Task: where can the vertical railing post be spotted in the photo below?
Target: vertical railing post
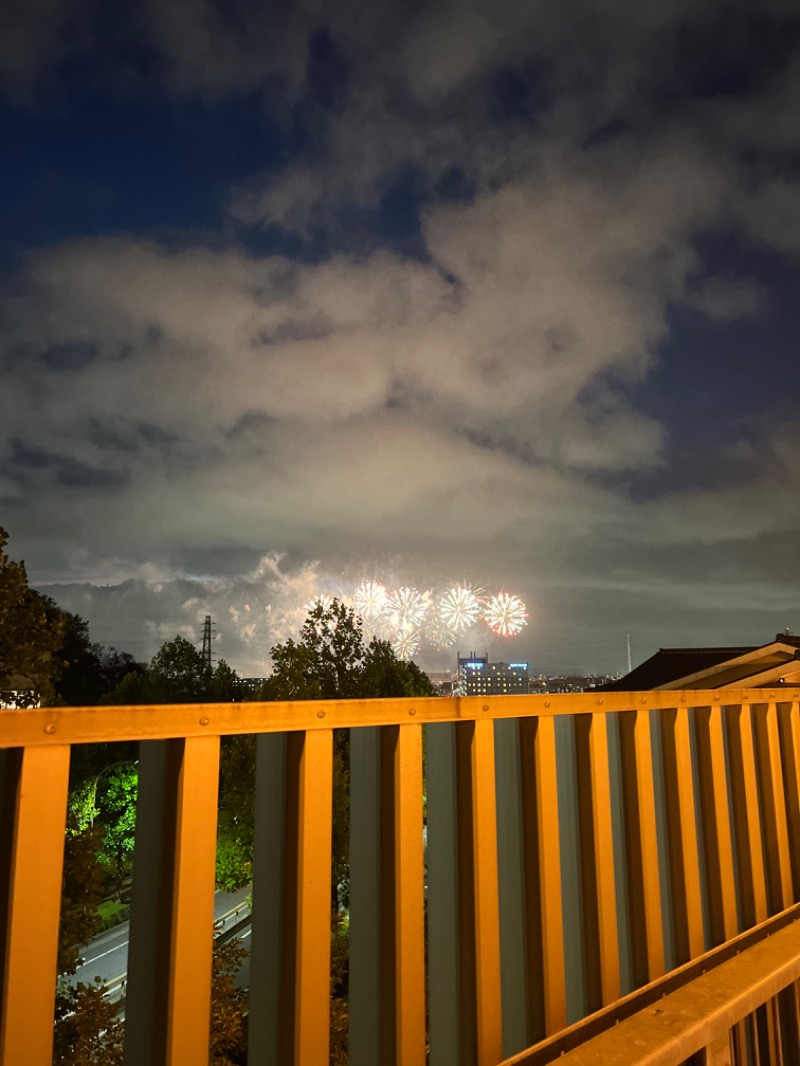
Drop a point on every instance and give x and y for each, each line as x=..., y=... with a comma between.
x=773, y=806
x=33, y=819
x=387, y=916
x=713, y=778
x=789, y=721
x=402, y=769
x=641, y=831
x=172, y=907
x=747, y=819
x=479, y=901
x=684, y=856
x=515, y=971
x=192, y=933
x=449, y=1042
x=145, y=995
x=602, y=971
x=547, y=1005
x=364, y=989
x=309, y=884
x=267, y=984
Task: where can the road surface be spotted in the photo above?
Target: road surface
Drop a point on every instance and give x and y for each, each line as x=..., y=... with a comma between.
x=106, y=956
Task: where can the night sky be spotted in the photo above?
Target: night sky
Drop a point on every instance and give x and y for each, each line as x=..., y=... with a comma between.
x=294, y=295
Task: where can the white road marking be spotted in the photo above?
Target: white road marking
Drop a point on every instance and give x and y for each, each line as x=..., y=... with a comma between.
x=103, y=955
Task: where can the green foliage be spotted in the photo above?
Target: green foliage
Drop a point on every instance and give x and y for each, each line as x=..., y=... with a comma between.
x=178, y=672
x=224, y=685
x=83, y=807
x=112, y=912
x=331, y=661
x=234, y=861
x=236, y=812
x=134, y=690
x=31, y=635
x=116, y=801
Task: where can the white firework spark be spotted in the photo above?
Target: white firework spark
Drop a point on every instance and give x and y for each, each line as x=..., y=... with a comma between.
x=459, y=609
x=406, y=607
x=325, y=602
x=506, y=614
x=406, y=643
x=370, y=600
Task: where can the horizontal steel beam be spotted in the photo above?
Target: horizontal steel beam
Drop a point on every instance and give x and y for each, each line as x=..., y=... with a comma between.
x=37, y=726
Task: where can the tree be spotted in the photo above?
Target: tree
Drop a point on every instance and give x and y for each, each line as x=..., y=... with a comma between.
x=87, y=1029
x=116, y=794
x=133, y=689
x=179, y=673
x=331, y=661
x=228, y=1043
x=31, y=634
x=225, y=685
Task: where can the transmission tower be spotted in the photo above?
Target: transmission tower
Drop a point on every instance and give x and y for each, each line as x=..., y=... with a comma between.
x=208, y=636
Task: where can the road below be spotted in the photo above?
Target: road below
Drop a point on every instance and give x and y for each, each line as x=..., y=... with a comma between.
x=106, y=956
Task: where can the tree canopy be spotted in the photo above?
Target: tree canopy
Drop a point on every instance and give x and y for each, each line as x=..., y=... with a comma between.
x=178, y=674
x=31, y=636
x=332, y=661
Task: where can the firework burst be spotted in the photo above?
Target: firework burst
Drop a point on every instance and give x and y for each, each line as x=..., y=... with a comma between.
x=406, y=643
x=506, y=614
x=370, y=600
x=406, y=608
x=459, y=609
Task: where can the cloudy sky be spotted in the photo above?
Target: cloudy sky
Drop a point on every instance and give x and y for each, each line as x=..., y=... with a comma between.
x=294, y=294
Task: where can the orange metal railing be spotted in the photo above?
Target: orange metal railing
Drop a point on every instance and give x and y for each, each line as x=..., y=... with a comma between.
x=580, y=847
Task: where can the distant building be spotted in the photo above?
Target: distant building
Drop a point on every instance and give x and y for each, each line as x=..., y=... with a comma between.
x=252, y=684
x=479, y=677
x=442, y=680
x=576, y=682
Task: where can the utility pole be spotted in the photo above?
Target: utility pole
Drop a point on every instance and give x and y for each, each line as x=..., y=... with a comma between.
x=208, y=636
x=629, y=652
